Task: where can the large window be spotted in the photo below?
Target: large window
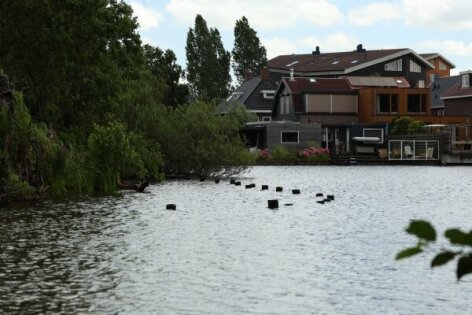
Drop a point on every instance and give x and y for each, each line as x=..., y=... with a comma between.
x=394, y=65
x=289, y=137
x=416, y=103
x=414, y=67
x=387, y=103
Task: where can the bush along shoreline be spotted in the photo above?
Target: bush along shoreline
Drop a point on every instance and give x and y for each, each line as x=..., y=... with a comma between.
x=40, y=162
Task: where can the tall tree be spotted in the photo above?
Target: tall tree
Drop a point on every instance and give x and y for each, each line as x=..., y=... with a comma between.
x=207, y=62
x=163, y=65
x=248, y=53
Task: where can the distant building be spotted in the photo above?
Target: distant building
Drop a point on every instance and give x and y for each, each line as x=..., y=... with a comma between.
x=441, y=67
x=256, y=94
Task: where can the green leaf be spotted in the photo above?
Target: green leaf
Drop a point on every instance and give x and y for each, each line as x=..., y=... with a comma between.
x=458, y=237
x=442, y=258
x=422, y=229
x=408, y=252
x=464, y=266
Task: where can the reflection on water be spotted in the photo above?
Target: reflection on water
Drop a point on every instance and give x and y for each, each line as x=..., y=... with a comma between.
x=223, y=251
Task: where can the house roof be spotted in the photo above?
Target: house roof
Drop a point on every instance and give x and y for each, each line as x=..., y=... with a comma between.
x=337, y=62
x=318, y=85
x=457, y=92
x=441, y=86
x=359, y=82
x=431, y=56
x=250, y=93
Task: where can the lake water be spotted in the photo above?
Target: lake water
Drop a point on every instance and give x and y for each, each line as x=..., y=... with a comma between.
x=224, y=252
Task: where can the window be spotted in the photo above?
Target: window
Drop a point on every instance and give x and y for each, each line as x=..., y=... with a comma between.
x=289, y=137
x=335, y=62
x=416, y=103
x=374, y=132
x=432, y=77
x=394, y=65
x=287, y=103
x=414, y=67
x=387, y=103
x=265, y=118
x=355, y=61
x=442, y=66
x=421, y=84
x=268, y=94
x=465, y=81
x=292, y=63
x=282, y=104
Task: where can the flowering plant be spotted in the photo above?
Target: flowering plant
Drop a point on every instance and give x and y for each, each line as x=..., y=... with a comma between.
x=265, y=154
x=313, y=151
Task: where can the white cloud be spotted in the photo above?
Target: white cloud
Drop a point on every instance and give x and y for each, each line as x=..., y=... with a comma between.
x=148, y=18
x=262, y=15
x=284, y=46
x=438, y=14
x=373, y=13
x=279, y=46
x=447, y=47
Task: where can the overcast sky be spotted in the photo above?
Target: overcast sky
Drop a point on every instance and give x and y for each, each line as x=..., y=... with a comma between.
x=298, y=26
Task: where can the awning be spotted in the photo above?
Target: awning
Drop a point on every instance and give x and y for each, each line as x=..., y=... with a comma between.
x=367, y=139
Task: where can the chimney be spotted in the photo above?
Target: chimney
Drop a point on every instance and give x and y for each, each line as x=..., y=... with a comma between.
x=291, y=75
x=265, y=74
x=360, y=49
x=317, y=51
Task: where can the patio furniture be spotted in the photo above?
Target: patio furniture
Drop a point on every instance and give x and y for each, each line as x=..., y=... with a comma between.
x=408, y=152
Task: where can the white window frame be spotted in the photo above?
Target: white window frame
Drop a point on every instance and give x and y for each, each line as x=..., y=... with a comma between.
x=414, y=67
x=268, y=94
x=289, y=131
x=421, y=84
x=465, y=80
x=377, y=129
x=396, y=65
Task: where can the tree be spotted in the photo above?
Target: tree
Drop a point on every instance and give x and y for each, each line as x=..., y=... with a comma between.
x=207, y=62
x=248, y=53
x=406, y=125
x=426, y=235
x=163, y=65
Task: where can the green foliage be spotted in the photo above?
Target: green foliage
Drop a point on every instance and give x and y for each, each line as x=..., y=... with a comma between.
x=422, y=229
x=248, y=53
x=426, y=235
x=207, y=62
x=167, y=73
x=406, y=126
x=239, y=112
x=281, y=153
x=194, y=141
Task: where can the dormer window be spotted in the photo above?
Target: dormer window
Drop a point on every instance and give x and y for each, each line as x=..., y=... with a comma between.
x=394, y=65
x=293, y=63
x=466, y=80
x=268, y=94
x=236, y=95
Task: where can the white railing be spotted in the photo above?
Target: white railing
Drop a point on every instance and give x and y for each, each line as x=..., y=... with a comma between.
x=413, y=150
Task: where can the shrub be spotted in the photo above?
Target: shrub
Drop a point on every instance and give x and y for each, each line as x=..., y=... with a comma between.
x=315, y=154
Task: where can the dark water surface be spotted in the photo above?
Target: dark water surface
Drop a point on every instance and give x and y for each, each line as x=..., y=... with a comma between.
x=224, y=252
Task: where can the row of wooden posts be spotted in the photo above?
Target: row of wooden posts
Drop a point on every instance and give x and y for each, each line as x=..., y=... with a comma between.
x=271, y=203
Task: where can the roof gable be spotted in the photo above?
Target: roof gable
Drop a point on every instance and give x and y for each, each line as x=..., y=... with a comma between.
x=431, y=56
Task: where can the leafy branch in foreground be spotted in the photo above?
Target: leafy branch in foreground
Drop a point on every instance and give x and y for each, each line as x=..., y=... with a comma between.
x=426, y=235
